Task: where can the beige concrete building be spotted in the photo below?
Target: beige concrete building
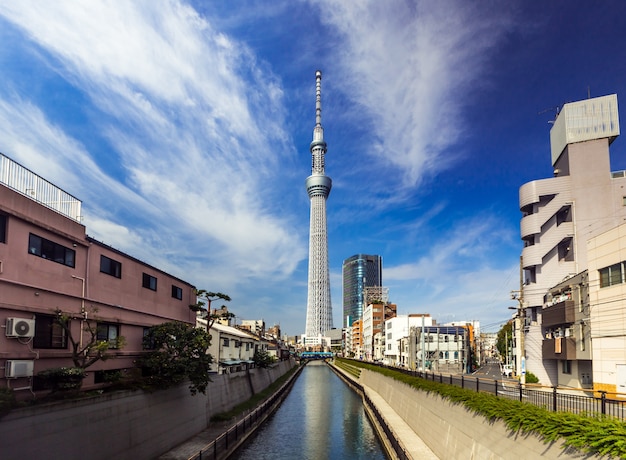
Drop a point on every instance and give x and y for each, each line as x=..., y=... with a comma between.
x=559, y=215
x=607, y=315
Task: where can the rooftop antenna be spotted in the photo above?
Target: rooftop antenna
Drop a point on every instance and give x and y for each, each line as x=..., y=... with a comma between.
x=556, y=111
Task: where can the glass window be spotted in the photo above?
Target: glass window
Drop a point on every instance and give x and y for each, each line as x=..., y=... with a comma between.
x=611, y=276
x=226, y=342
x=48, y=333
x=3, y=228
x=108, y=333
x=50, y=250
x=566, y=366
x=177, y=292
x=110, y=267
x=149, y=282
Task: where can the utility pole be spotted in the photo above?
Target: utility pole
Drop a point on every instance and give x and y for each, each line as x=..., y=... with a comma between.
x=520, y=323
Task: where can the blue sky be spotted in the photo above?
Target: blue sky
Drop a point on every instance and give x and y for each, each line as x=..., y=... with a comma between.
x=184, y=127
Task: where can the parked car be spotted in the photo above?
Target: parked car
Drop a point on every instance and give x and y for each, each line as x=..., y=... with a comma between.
x=507, y=370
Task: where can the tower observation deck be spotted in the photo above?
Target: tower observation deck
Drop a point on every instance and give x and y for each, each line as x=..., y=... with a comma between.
x=319, y=317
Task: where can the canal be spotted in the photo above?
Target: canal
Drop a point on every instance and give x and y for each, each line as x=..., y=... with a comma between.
x=321, y=418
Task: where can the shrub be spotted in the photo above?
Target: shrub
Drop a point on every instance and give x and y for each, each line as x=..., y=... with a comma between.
x=589, y=433
x=7, y=400
x=63, y=378
x=531, y=378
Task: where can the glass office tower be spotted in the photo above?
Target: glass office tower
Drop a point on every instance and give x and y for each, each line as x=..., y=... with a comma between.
x=359, y=272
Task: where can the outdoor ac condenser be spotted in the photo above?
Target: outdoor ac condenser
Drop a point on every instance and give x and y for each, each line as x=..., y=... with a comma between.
x=18, y=368
x=20, y=327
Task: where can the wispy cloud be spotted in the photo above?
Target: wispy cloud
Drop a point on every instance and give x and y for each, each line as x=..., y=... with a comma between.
x=410, y=66
x=178, y=104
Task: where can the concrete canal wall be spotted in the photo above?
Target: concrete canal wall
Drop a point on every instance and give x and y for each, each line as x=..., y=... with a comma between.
x=453, y=432
x=126, y=425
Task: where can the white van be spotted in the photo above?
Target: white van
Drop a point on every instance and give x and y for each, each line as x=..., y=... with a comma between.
x=507, y=370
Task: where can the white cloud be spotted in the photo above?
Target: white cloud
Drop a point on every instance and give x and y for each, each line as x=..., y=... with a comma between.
x=411, y=66
x=179, y=103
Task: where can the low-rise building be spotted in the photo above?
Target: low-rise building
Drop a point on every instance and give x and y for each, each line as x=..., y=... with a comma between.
x=50, y=267
x=567, y=332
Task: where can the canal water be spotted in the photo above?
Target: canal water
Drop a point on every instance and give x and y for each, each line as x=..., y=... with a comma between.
x=321, y=418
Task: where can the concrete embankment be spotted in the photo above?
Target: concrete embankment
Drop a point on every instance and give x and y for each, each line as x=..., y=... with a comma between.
x=450, y=430
x=396, y=436
x=126, y=425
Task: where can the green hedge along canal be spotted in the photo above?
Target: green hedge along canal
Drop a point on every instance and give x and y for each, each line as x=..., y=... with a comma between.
x=321, y=418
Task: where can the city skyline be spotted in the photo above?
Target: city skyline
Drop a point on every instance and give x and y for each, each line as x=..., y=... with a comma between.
x=184, y=128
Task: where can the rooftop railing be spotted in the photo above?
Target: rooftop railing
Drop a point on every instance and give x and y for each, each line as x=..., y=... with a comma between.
x=24, y=181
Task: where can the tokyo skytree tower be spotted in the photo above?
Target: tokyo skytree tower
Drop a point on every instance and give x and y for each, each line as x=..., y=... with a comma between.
x=319, y=314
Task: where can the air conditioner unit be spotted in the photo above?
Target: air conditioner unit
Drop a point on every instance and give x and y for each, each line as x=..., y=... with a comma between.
x=20, y=327
x=18, y=368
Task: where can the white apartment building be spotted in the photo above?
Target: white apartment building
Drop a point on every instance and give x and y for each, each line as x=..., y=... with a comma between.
x=232, y=349
x=559, y=214
x=368, y=331
x=437, y=348
x=398, y=328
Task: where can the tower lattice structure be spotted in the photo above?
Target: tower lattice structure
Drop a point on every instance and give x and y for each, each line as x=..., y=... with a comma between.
x=319, y=317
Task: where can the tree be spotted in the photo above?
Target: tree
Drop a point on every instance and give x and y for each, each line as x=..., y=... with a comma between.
x=263, y=359
x=504, y=334
x=179, y=354
x=86, y=352
x=203, y=304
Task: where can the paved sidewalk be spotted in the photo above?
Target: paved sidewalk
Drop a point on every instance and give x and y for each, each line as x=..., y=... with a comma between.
x=414, y=446
x=197, y=443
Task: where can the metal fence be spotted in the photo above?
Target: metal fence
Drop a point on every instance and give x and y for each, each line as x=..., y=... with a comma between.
x=550, y=398
x=26, y=182
x=223, y=445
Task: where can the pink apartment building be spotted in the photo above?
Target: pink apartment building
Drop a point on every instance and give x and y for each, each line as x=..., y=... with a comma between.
x=48, y=263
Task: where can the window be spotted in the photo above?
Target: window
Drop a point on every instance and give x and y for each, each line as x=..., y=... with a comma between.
x=149, y=282
x=110, y=267
x=610, y=276
x=566, y=250
x=48, y=333
x=566, y=367
x=177, y=292
x=3, y=228
x=108, y=333
x=226, y=342
x=50, y=250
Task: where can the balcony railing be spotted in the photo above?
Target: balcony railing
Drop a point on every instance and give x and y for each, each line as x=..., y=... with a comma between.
x=24, y=181
x=559, y=314
x=559, y=348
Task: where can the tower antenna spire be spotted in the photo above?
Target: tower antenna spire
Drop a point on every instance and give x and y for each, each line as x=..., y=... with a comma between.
x=319, y=318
